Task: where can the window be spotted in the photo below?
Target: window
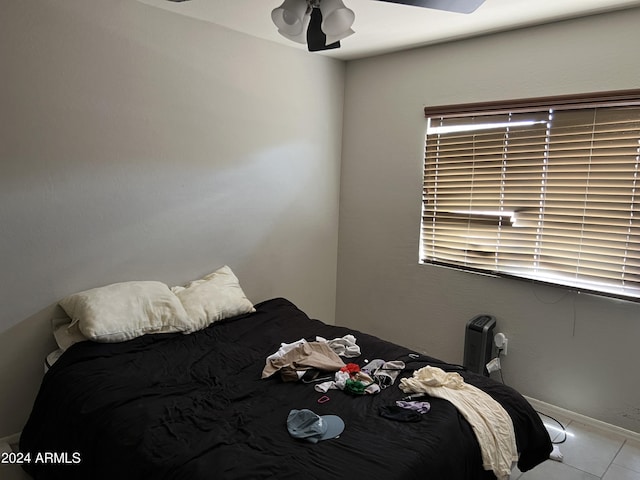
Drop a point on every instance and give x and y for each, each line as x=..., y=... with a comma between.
x=543, y=189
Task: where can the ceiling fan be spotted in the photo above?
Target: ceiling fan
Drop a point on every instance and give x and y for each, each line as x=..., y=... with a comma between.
x=321, y=24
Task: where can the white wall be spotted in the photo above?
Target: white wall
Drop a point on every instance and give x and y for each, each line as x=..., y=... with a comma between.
x=139, y=144
x=575, y=351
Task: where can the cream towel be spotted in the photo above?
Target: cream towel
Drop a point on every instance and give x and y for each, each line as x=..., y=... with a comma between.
x=490, y=422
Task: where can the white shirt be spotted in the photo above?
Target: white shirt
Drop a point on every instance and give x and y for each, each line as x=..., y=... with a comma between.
x=490, y=422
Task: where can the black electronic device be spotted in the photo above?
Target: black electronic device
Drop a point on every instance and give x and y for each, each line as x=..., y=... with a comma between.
x=478, y=343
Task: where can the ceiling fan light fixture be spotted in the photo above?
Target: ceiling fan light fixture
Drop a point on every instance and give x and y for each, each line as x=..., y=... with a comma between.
x=336, y=18
x=290, y=17
x=321, y=24
x=337, y=38
x=302, y=36
x=316, y=38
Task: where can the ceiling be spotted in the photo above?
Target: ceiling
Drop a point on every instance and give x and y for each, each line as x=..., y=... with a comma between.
x=383, y=27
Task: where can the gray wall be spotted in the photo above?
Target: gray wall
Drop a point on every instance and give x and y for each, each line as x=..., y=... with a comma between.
x=575, y=351
x=136, y=144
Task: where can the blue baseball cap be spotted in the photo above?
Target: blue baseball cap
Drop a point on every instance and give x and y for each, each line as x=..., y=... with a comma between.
x=307, y=425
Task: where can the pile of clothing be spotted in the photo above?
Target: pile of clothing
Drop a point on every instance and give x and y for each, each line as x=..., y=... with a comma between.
x=490, y=422
x=370, y=379
x=292, y=360
x=304, y=360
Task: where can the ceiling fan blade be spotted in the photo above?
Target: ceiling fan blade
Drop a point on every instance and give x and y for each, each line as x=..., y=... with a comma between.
x=458, y=6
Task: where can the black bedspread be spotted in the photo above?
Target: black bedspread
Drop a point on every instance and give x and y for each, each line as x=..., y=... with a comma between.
x=193, y=407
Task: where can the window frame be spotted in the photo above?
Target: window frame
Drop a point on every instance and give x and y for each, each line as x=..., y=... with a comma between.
x=528, y=105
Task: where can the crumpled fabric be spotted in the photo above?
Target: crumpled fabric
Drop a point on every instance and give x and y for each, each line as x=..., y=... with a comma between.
x=490, y=422
x=303, y=357
x=384, y=373
x=420, y=407
x=344, y=346
x=284, y=348
x=343, y=381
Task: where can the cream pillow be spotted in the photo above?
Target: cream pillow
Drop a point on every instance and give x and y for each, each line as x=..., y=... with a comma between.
x=126, y=310
x=65, y=332
x=214, y=297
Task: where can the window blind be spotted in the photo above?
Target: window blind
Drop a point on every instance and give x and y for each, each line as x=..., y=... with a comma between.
x=542, y=190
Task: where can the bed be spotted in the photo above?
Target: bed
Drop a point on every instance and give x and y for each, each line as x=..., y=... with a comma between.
x=194, y=406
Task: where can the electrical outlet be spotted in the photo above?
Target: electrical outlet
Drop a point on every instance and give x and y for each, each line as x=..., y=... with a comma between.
x=501, y=342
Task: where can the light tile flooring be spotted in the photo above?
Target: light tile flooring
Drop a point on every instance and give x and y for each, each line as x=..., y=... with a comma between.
x=588, y=454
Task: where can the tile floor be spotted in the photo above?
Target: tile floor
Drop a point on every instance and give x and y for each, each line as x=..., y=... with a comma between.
x=588, y=454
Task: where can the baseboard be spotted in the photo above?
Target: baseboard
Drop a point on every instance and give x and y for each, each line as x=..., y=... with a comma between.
x=592, y=422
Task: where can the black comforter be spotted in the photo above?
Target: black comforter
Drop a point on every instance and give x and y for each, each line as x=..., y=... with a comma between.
x=173, y=406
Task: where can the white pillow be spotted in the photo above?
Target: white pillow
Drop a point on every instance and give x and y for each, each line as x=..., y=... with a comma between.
x=65, y=332
x=214, y=297
x=122, y=311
